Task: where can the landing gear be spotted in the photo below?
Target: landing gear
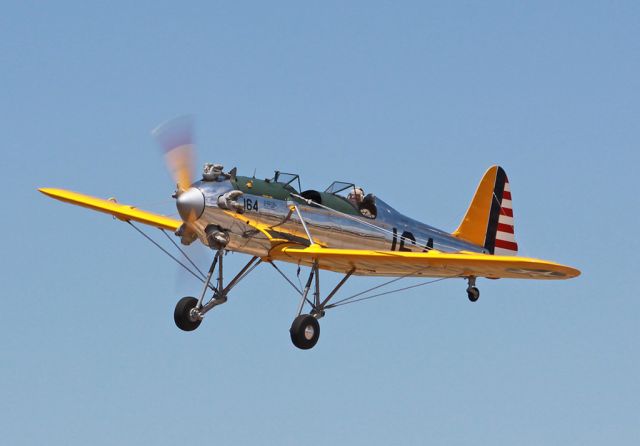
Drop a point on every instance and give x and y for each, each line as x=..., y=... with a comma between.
x=305, y=331
x=473, y=293
x=190, y=311
x=185, y=315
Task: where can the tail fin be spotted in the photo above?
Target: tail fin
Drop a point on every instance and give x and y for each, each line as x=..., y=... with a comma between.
x=489, y=219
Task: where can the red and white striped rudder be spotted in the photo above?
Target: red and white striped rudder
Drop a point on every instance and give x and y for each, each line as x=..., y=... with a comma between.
x=505, y=244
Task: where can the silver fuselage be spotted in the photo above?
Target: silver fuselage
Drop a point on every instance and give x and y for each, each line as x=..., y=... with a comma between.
x=266, y=218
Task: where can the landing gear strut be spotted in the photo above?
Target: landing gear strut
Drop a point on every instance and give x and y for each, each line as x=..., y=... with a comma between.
x=305, y=329
x=190, y=311
x=473, y=293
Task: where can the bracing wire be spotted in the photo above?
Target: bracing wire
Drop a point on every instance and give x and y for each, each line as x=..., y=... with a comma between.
x=169, y=254
x=354, y=297
x=286, y=278
x=397, y=290
x=184, y=254
x=388, y=282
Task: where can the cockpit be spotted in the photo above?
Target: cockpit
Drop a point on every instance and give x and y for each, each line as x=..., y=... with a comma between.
x=345, y=197
x=365, y=204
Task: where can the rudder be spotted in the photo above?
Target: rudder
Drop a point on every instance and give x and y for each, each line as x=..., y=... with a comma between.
x=489, y=219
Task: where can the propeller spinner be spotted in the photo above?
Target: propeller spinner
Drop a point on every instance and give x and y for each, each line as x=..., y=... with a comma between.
x=190, y=204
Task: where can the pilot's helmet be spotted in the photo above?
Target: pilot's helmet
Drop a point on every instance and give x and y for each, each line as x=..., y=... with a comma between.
x=356, y=195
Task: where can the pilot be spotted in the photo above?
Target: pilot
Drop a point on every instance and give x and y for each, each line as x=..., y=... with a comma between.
x=365, y=204
x=356, y=196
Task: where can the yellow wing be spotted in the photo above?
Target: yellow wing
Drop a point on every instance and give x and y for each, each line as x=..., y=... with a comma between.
x=121, y=211
x=423, y=264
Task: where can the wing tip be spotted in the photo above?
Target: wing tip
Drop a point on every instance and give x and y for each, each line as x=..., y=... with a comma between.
x=573, y=272
x=51, y=192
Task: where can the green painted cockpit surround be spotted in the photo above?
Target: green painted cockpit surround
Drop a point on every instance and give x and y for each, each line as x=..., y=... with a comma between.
x=338, y=203
x=264, y=188
x=281, y=191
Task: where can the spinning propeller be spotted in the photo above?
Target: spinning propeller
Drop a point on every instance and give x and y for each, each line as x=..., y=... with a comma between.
x=176, y=137
x=177, y=141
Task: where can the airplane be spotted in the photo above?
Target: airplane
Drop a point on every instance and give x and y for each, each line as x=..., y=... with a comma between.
x=339, y=229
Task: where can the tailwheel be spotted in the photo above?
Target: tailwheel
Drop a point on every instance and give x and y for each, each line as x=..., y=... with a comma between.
x=473, y=293
x=305, y=331
x=185, y=315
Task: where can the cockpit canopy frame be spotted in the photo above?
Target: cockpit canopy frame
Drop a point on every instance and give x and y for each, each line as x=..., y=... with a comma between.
x=288, y=180
x=354, y=196
x=337, y=187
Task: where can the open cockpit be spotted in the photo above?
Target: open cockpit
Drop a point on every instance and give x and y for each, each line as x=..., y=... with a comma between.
x=345, y=197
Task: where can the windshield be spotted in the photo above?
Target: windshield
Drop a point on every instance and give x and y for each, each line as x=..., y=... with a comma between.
x=355, y=196
x=288, y=179
x=340, y=188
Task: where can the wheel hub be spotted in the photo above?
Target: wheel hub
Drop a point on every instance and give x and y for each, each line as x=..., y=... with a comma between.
x=309, y=332
x=194, y=315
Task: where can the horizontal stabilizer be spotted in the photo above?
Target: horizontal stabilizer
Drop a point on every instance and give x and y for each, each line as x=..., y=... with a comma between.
x=120, y=211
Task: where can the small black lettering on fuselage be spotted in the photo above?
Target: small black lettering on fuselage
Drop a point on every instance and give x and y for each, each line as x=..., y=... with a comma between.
x=407, y=237
x=250, y=205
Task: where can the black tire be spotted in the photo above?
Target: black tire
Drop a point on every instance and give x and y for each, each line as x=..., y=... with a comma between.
x=305, y=331
x=473, y=294
x=181, y=314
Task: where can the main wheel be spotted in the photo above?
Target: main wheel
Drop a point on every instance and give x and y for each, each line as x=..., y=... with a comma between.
x=305, y=331
x=473, y=293
x=182, y=314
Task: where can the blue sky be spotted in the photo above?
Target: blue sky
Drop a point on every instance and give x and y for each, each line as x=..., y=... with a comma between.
x=412, y=100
